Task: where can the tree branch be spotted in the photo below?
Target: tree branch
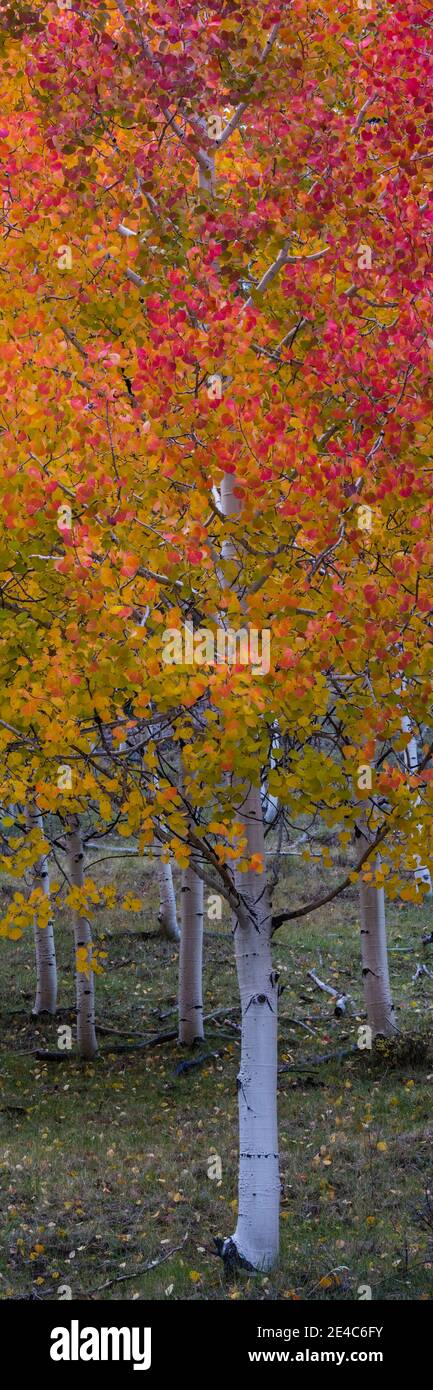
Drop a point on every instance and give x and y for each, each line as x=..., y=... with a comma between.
x=283, y=258
x=236, y=118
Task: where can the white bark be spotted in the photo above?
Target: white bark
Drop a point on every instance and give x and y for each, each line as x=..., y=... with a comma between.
x=340, y=999
x=86, y=1035
x=206, y=172
x=256, y=1237
x=167, y=916
x=422, y=874
x=269, y=801
x=375, y=973
x=270, y=806
x=191, y=958
x=257, y=1228
x=45, y=951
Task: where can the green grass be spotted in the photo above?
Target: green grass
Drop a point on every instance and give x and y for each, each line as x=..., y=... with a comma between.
x=104, y=1166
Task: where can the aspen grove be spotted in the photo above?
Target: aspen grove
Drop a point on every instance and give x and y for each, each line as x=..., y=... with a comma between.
x=216, y=520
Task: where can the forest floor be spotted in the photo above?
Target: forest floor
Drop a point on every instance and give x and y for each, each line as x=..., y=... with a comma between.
x=105, y=1168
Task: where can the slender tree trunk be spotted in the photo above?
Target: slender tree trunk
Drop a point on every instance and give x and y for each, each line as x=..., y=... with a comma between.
x=375, y=973
x=167, y=901
x=191, y=958
x=257, y=1228
x=86, y=1035
x=256, y=1237
x=45, y=951
x=270, y=802
x=422, y=874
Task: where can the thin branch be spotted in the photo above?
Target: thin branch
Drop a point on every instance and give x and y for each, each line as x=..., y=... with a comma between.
x=360, y=117
x=284, y=258
x=142, y=1269
x=236, y=118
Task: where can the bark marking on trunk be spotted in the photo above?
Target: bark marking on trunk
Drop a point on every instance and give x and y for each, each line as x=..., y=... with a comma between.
x=45, y=950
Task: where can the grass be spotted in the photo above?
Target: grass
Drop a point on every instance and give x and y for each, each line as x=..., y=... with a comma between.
x=104, y=1167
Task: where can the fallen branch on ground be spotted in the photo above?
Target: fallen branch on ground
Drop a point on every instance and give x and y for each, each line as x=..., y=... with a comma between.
x=198, y=1061
x=305, y=1065
x=142, y=1269
x=422, y=970
x=340, y=999
x=105, y=1051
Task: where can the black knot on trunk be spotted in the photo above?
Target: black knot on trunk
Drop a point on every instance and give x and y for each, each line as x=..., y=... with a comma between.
x=229, y=1254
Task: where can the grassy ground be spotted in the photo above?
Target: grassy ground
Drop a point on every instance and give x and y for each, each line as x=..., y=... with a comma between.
x=104, y=1167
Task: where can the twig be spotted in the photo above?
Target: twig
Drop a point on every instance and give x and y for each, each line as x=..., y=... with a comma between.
x=422, y=970
x=198, y=1061
x=320, y=985
x=340, y=999
x=119, y=1032
x=299, y=1023
x=142, y=1269
x=362, y=113
x=221, y=1013
x=105, y=1051
x=305, y=1065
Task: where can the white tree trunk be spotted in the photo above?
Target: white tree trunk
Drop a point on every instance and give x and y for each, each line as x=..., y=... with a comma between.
x=256, y=1237
x=257, y=1228
x=270, y=802
x=45, y=951
x=191, y=958
x=167, y=900
x=86, y=1035
x=375, y=973
x=422, y=874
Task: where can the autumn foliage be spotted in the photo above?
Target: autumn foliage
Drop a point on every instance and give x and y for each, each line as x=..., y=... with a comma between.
x=216, y=260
